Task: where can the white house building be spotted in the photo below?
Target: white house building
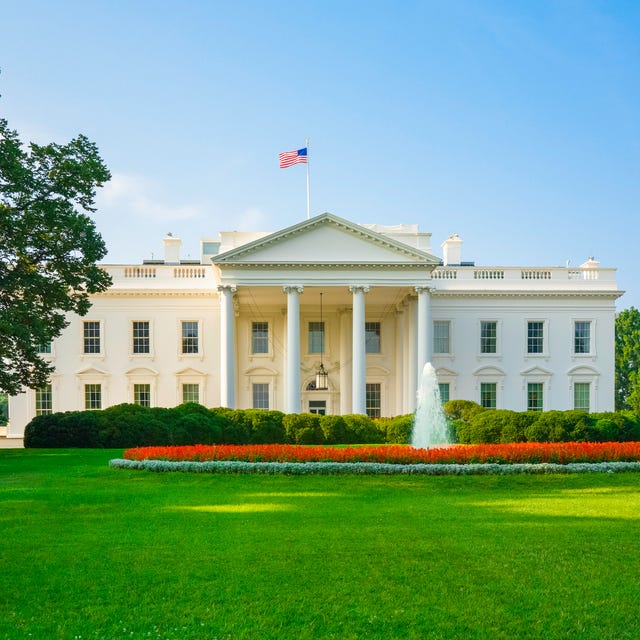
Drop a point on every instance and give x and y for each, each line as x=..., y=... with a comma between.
x=254, y=321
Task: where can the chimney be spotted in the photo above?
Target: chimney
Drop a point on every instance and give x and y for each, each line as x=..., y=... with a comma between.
x=171, y=249
x=452, y=250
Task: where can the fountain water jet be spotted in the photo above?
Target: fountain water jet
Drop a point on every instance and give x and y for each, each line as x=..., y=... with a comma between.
x=430, y=428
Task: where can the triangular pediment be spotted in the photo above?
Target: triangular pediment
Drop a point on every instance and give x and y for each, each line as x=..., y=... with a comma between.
x=325, y=239
x=583, y=370
x=141, y=371
x=190, y=371
x=91, y=371
x=536, y=371
x=489, y=371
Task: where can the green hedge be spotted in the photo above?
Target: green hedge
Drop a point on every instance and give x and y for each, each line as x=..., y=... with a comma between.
x=130, y=425
x=474, y=425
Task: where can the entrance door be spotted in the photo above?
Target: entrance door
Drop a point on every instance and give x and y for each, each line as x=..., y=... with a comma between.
x=318, y=406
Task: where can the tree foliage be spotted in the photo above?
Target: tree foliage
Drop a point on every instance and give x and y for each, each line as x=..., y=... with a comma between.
x=628, y=359
x=49, y=247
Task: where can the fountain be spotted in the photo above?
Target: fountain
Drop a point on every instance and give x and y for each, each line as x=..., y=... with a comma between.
x=430, y=428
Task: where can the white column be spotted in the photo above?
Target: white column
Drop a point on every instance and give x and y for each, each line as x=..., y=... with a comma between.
x=227, y=347
x=359, y=364
x=345, y=361
x=424, y=322
x=292, y=394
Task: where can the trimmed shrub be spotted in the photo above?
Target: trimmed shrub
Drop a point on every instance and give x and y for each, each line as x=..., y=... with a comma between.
x=486, y=426
x=69, y=429
x=397, y=430
x=266, y=426
x=461, y=409
x=334, y=429
x=303, y=428
x=515, y=428
x=360, y=429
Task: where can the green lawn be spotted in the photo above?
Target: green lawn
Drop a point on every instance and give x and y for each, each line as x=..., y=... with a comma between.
x=91, y=552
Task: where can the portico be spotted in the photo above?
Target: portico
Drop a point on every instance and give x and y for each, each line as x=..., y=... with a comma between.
x=376, y=294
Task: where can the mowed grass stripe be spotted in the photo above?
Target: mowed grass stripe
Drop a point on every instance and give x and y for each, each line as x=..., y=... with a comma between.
x=92, y=552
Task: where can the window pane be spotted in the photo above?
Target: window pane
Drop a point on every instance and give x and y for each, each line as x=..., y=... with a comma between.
x=261, y=395
x=444, y=391
x=582, y=337
x=260, y=337
x=581, y=396
x=318, y=406
x=191, y=392
x=316, y=337
x=488, y=337
x=45, y=347
x=44, y=400
x=92, y=396
x=189, y=337
x=441, y=336
x=534, y=396
x=373, y=399
x=142, y=394
x=91, y=337
x=372, y=337
x=141, y=343
x=488, y=395
x=535, y=341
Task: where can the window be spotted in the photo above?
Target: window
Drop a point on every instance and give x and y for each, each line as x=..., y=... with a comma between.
x=581, y=396
x=93, y=396
x=534, y=396
x=142, y=394
x=91, y=335
x=44, y=400
x=260, y=395
x=488, y=337
x=191, y=392
x=535, y=337
x=372, y=337
x=260, y=337
x=444, y=391
x=45, y=347
x=316, y=337
x=372, y=394
x=488, y=395
x=141, y=337
x=318, y=406
x=441, y=336
x=582, y=337
x=189, y=337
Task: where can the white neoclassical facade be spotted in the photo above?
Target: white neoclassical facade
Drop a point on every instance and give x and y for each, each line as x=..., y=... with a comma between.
x=254, y=320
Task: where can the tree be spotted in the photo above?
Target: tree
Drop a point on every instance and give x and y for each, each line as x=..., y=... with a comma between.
x=628, y=359
x=49, y=247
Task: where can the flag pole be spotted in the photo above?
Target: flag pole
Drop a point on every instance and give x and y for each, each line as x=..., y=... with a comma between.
x=308, y=197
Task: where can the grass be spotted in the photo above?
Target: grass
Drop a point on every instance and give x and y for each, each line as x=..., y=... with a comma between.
x=91, y=552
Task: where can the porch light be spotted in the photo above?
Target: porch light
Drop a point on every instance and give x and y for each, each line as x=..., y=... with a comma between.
x=322, y=377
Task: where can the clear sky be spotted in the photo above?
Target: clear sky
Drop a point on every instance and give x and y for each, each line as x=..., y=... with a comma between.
x=513, y=123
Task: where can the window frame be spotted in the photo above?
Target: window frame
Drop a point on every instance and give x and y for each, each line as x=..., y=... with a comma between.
x=494, y=338
x=134, y=347
x=139, y=393
x=265, y=393
x=318, y=334
x=370, y=342
x=543, y=338
x=43, y=395
x=373, y=391
x=441, y=322
x=100, y=338
x=491, y=388
x=590, y=338
x=582, y=385
x=182, y=391
x=198, y=337
x=263, y=340
x=90, y=403
x=542, y=385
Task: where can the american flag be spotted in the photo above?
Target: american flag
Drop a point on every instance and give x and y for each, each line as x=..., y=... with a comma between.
x=288, y=158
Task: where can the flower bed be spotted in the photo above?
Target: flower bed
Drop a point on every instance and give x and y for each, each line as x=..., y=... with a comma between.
x=517, y=453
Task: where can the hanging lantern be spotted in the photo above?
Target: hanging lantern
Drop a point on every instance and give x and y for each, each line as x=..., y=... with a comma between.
x=322, y=377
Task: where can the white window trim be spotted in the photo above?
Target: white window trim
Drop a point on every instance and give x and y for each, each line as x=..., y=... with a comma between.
x=592, y=339
x=384, y=392
x=584, y=374
x=200, y=353
x=132, y=353
x=304, y=335
x=93, y=377
x=95, y=356
x=449, y=377
x=377, y=319
x=260, y=356
x=545, y=338
x=192, y=378
x=450, y=355
x=488, y=356
x=543, y=378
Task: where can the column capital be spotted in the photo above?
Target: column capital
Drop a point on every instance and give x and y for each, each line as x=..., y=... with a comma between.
x=423, y=289
x=228, y=288
x=293, y=288
x=359, y=288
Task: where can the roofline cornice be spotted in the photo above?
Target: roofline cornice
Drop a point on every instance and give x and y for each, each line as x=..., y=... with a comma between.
x=468, y=293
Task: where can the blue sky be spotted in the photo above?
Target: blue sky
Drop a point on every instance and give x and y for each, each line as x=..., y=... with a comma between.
x=515, y=124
